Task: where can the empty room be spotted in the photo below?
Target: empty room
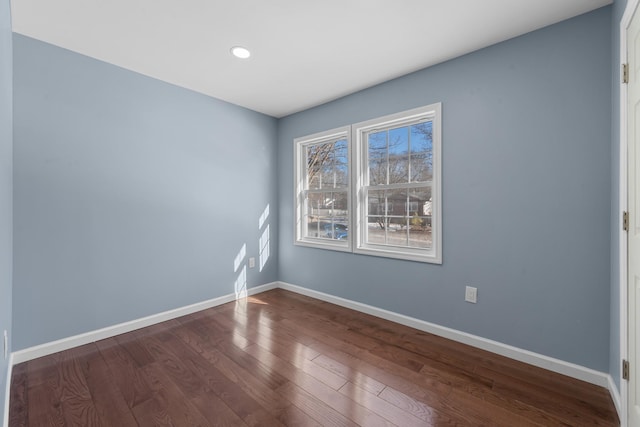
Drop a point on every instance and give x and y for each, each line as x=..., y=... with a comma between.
x=341, y=213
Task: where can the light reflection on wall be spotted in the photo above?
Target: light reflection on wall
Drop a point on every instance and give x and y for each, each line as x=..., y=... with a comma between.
x=263, y=217
x=264, y=247
x=263, y=243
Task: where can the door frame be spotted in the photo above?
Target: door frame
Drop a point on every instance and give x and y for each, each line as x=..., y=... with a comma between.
x=622, y=207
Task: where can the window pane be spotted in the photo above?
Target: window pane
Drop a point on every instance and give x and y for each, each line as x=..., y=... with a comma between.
x=327, y=215
x=327, y=165
x=399, y=217
x=315, y=156
x=376, y=230
x=327, y=178
x=419, y=230
x=386, y=218
x=399, y=155
x=377, y=219
x=422, y=152
x=341, y=165
x=333, y=229
x=313, y=210
x=377, y=151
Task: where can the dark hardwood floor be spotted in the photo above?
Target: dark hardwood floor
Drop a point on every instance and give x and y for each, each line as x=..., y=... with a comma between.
x=280, y=358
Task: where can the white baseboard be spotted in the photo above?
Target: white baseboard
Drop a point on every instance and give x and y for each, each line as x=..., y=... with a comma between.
x=7, y=393
x=111, y=331
x=526, y=356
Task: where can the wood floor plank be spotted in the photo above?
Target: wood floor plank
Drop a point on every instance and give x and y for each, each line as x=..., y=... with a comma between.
x=268, y=333
x=125, y=372
x=216, y=411
x=556, y=408
x=298, y=355
x=380, y=406
x=181, y=410
x=171, y=356
x=559, y=387
x=294, y=417
x=284, y=359
x=321, y=391
x=315, y=408
x=131, y=344
x=196, y=368
x=283, y=410
x=153, y=412
x=45, y=409
x=72, y=389
x=242, y=404
x=353, y=376
x=19, y=414
x=107, y=398
x=261, y=391
x=259, y=370
x=383, y=370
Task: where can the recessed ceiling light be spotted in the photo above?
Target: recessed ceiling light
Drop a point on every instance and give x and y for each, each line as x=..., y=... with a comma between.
x=240, y=52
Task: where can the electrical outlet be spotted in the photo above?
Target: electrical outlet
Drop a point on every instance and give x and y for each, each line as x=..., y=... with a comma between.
x=6, y=344
x=252, y=262
x=471, y=294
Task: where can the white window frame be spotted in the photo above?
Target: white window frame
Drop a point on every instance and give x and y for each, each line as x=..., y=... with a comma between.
x=357, y=166
x=301, y=184
x=359, y=131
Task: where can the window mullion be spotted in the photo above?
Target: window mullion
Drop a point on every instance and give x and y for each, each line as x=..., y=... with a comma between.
x=409, y=153
x=388, y=163
x=400, y=186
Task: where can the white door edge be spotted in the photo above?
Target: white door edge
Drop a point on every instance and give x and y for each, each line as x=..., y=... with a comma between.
x=623, y=206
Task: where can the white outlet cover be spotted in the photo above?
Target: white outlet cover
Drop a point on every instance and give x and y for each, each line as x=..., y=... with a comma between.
x=471, y=294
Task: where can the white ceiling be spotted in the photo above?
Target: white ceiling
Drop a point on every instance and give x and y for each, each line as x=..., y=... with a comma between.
x=304, y=52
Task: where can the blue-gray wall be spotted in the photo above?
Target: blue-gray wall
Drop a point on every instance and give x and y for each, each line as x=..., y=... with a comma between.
x=6, y=147
x=131, y=196
x=526, y=195
x=614, y=351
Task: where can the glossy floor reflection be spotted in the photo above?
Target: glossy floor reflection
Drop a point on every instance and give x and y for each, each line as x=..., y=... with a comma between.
x=279, y=358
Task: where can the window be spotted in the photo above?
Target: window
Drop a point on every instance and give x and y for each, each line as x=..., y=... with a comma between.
x=385, y=199
x=398, y=174
x=323, y=187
